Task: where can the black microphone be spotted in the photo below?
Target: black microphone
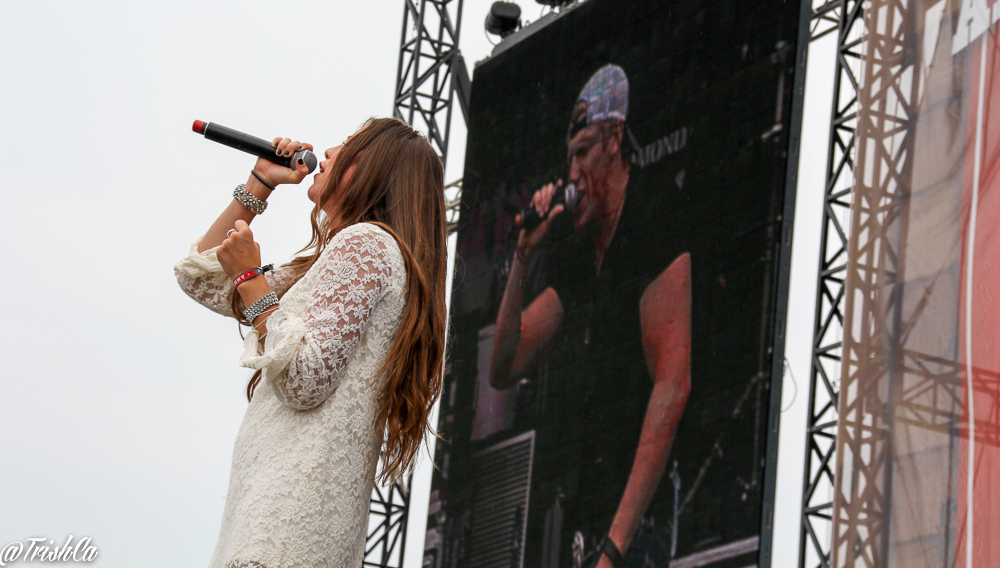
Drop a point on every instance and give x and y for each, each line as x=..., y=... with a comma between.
x=252, y=145
x=568, y=196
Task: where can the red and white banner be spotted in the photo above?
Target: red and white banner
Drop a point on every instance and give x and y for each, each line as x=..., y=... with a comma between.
x=928, y=162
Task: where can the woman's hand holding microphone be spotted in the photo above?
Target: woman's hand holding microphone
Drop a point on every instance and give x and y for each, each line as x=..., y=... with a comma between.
x=250, y=198
x=275, y=174
x=238, y=253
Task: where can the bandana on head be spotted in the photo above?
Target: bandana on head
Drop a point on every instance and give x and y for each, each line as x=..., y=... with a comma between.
x=604, y=97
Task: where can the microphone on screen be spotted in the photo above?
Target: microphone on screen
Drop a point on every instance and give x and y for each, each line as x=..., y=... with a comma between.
x=252, y=145
x=567, y=196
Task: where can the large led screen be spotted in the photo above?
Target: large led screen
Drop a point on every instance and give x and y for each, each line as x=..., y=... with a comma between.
x=606, y=396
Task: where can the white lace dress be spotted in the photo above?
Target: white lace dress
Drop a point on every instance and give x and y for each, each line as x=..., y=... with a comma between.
x=305, y=458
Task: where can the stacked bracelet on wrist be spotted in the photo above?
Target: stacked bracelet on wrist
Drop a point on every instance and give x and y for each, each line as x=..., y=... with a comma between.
x=259, y=307
x=252, y=273
x=249, y=200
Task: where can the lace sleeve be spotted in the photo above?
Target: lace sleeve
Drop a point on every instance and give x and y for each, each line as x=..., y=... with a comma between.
x=305, y=358
x=201, y=276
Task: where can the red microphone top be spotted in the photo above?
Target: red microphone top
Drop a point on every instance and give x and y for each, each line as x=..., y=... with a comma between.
x=199, y=127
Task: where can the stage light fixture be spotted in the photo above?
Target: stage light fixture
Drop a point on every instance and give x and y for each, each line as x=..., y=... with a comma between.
x=555, y=3
x=503, y=19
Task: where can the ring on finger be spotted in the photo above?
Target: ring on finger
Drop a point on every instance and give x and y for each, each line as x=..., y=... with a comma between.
x=229, y=232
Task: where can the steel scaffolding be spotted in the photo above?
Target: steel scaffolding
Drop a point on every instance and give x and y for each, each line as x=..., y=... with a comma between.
x=386, y=527
x=431, y=75
x=872, y=291
x=845, y=17
x=431, y=69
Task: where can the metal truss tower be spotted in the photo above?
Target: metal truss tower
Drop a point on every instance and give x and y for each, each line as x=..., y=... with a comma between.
x=431, y=69
x=872, y=384
x=386, y=527
x=845, y=18
x=872, y=288
x=430, y=76
x=893, y=391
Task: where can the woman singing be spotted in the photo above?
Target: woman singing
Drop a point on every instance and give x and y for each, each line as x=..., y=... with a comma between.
x=348, y=342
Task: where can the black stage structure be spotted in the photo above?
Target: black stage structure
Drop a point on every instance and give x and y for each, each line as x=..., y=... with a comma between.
x=432, y=73
x=863, y=396
x=845, y=18
x=430, y=76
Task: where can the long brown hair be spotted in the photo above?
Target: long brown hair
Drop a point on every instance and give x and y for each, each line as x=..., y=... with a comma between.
x=397, y=183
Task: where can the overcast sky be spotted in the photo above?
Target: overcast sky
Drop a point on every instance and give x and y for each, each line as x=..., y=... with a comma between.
x=121, y=397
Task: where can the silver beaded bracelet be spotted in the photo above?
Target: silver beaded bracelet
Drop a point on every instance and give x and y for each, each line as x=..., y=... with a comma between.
x=248, y=200
x=259, y=307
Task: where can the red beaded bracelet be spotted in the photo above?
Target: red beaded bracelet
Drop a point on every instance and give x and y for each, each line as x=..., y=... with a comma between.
x=252, y=273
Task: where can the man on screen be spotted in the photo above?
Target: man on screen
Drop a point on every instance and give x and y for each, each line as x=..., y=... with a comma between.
x=612, y=322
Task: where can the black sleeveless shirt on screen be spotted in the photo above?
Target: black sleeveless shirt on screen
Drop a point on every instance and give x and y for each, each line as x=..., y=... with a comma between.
x=597, y=385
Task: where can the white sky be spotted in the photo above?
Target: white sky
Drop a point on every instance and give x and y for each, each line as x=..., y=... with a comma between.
x=121, y=397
